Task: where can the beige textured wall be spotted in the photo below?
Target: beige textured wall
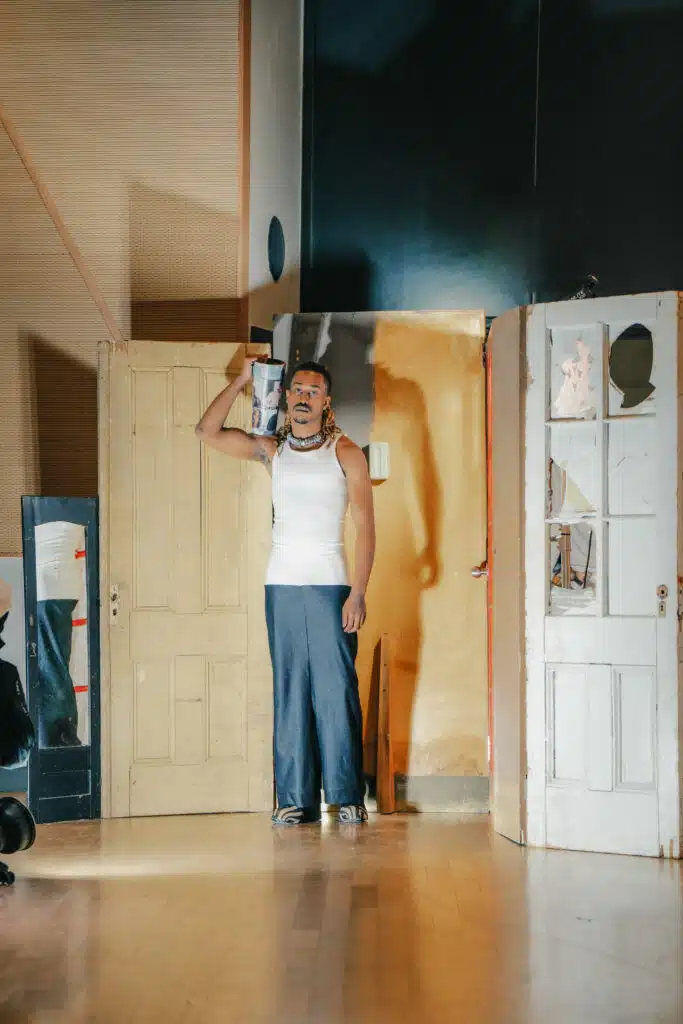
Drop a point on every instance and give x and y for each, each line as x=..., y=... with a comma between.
x=131, y=112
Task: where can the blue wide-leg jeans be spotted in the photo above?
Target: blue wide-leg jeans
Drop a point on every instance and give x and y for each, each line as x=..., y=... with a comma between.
x=318, y=731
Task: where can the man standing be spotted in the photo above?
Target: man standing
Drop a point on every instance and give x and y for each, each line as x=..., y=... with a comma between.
x=312, y=612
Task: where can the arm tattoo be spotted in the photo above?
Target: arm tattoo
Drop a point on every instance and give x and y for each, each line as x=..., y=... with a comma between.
x=264, y=457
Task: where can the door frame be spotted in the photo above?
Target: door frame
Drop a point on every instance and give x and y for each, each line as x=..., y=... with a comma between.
x=103, y=461
x=505, y=404
x=490, y=550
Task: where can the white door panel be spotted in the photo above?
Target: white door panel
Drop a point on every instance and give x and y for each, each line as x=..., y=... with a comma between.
x=633, y=641
x=601, y=822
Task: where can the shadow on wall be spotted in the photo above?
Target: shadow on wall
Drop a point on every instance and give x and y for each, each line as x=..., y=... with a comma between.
x=186, y=320
x=270, y=300
x=431, y=515
x=185, y=279
x=409, y=511
x=63, y=417
x=418, y=388
x=364, y=393
x=184, y=266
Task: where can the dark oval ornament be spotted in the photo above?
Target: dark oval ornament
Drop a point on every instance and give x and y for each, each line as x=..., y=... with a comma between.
x=276, y=249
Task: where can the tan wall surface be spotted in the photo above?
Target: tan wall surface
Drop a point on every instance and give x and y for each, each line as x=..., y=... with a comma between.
x=49, y=327
x=131, y=113
x=416, y=381
x=431, y=529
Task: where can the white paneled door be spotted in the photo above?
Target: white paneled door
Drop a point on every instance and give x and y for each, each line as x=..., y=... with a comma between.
x=601, y=575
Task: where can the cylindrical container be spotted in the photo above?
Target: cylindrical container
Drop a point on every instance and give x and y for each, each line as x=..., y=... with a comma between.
x=266, y=379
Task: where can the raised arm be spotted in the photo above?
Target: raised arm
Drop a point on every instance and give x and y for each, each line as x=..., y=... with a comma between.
x=352, y=461
x=231, y=440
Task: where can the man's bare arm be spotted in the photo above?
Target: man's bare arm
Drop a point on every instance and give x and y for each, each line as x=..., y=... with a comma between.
x=231, y=440
x=352, y=461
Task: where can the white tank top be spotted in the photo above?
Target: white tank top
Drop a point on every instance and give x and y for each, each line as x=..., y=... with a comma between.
x=310, y=497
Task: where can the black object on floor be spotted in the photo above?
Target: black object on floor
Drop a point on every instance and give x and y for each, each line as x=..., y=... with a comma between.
x=17, y=832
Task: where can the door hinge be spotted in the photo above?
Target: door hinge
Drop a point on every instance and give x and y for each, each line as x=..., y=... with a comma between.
x=114, y=604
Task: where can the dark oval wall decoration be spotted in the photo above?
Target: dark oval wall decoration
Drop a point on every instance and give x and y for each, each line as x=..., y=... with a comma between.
x=276, y=249
x=630, y=365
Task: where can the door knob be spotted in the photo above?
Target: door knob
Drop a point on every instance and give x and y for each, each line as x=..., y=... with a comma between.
x=480, y=570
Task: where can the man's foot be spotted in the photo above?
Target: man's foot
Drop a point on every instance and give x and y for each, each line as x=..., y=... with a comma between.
x=288, y=816
x=296, y=815
x=352, y=814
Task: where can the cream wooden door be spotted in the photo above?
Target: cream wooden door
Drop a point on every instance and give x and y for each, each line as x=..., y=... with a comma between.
x=505, y=371
x=186, y=533
x=601, y=583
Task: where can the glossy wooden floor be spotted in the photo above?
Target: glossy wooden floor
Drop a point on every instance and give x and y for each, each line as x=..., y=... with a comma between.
x=410, y=919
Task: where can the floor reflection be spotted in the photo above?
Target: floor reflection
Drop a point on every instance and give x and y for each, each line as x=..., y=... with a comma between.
x=428, y=918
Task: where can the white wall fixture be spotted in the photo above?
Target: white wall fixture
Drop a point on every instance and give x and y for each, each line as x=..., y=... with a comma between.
x=378, y=460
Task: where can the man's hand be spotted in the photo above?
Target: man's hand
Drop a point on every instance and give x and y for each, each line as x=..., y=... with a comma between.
x=234, y=441
x=353, y=613
x=245, y=375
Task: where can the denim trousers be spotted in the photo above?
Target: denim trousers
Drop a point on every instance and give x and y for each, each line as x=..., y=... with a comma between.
x=318, y=729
